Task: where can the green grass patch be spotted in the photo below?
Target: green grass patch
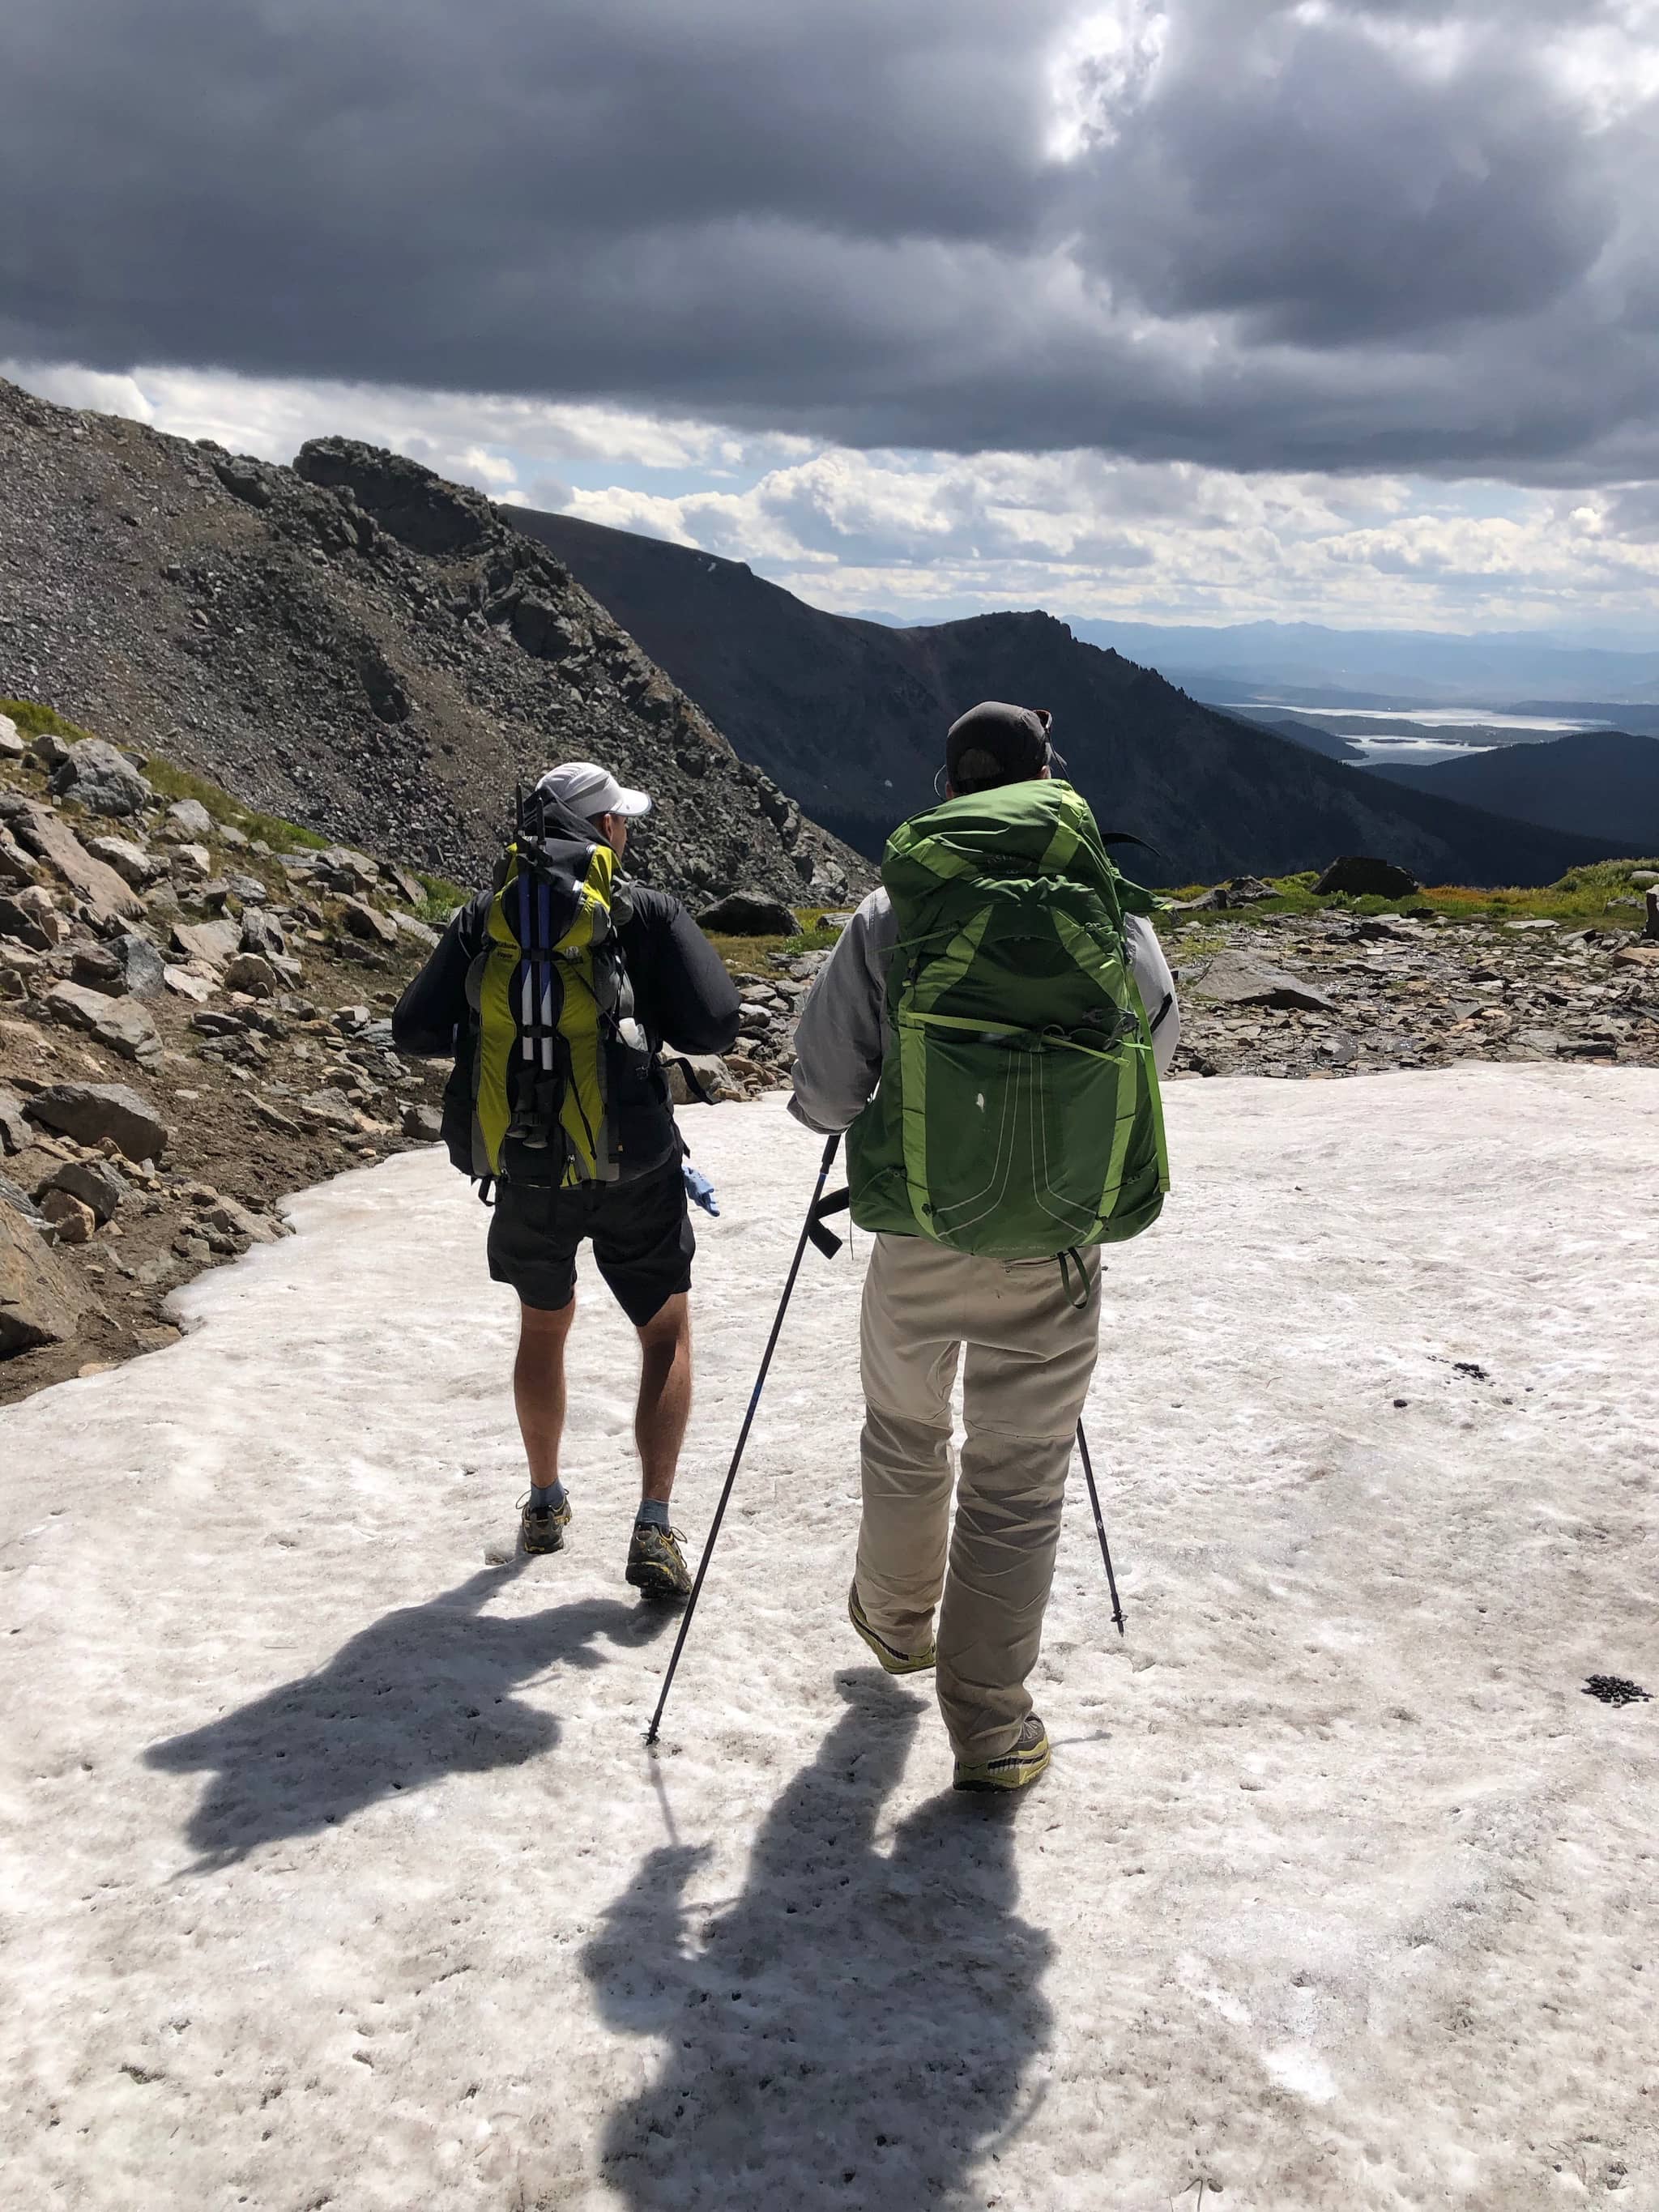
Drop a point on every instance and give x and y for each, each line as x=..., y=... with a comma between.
x=1600, y=895
x=35, y=720
x=749, y=955
x=170, y=782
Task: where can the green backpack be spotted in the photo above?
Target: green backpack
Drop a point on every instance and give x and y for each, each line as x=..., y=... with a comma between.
x=1017, y=1115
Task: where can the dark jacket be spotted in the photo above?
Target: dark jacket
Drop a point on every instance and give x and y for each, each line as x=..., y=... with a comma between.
x=682, y=999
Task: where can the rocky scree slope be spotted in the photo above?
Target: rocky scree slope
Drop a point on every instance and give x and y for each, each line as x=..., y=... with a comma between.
x=851, y=716
x=358, y=645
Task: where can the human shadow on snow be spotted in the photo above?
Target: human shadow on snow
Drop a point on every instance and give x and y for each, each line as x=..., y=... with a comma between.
x=856, y=2028
x=424, y=1691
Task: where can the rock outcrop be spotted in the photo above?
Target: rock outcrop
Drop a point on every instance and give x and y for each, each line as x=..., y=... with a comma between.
x=355, y=645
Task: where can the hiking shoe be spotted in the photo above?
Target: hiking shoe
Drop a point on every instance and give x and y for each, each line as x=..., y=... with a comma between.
x=542, y=1532
x=656, y=1565
x=895, y=1662
x=1015, y=1769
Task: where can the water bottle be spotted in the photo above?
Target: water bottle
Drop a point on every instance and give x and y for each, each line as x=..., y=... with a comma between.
x=699, y=1189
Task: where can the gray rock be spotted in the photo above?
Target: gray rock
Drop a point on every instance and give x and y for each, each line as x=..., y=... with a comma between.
x=232, y=1218
x=51, y=839
x=423, y=1123
x=14, y=1129
x=143, y=972
x=191, y=864
x=50, y=750
x=711, y=1071
x=1233, y=981
x=32, y=917
x=124, y=1028
x=12, y=746
x=95, y=1182
x=132, y=863
x=749, y=914
x=366, y=922
x=104, y=781
x=14, y=1195
x=332, y=1108
x=18, y=869
x=40, y=1301
x=252, y=973
x=1361, y=877
x=187, y=819
x=417, y=932
x=261, y=933
x=90, y=1111
x=210, y=943
x=249, y=890
x=197, y=988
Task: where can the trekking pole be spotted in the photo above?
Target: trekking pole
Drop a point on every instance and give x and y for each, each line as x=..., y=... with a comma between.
x=807, y=1227
x=1100, y=1525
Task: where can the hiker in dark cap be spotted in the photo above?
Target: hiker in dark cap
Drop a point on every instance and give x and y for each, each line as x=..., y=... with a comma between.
x=989, y=1030
x=556, y=991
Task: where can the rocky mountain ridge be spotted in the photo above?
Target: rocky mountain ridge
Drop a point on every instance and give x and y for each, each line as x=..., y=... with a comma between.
x=359, y=646
x=851, y=716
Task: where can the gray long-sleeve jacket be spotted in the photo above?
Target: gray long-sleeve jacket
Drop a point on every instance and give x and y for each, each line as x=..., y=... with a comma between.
x=842, y=1030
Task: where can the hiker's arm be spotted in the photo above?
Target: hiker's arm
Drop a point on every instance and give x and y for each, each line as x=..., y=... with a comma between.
x=842, y=1035
x=433, y=1008
x=694, y=1000
x=1157, y=987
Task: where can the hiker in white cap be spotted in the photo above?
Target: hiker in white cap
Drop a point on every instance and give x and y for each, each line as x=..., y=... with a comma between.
x=556, y=991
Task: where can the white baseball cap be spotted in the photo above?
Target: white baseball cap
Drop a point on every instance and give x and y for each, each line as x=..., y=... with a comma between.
x=589, y=790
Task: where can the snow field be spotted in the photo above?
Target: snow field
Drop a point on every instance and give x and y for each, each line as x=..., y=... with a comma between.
x=333, y=1870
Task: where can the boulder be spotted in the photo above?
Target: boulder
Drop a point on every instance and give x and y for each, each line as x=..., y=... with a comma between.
x=210, y=944
x=51, y=839
x=1359, y=876
x=423, y=1123
x=18, y=869
x=198, y=989
x=32, y=917
x=14, y=1129
x=187, y=819
x=251, y=973
x=232, y=1218
x=41, y=1302
x=12, y=746
x=711, y=1071
x=142, y=969
x=124, y=1028
x=364, y=920
x=72, y=1219
x=191, y=864
x=749, y=914
x=102, y=780
x=48, y=748
x=131, y=862
x=95, y=1182
x=416, y=932
x=91, y=1111
x=332, y=1108
x=18, y=1200
x=1231, y=980
x=1644, y=956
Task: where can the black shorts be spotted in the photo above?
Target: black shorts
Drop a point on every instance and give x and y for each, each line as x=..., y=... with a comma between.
x=641, y=1232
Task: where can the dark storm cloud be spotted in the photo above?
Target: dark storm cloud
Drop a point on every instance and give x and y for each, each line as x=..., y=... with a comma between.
x=1253, y=233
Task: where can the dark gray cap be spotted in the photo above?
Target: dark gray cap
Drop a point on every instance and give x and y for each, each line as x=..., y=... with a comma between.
x=995, y=742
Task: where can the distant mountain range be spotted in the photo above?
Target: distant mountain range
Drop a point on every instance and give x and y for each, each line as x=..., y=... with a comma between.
x=1594, y=776
x=1303, y=663
x=849, y=716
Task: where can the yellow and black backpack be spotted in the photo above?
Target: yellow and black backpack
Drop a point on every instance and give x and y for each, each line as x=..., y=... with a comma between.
x=552, y=1006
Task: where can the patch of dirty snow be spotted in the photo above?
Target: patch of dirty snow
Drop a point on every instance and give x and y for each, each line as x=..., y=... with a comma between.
x=333, y=1869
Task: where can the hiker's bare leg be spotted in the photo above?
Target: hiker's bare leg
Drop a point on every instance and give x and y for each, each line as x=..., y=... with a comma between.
x=664, y=1405
x=538, y=1387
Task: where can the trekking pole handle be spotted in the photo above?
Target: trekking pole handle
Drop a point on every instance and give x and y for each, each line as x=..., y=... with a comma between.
x=831, y=1145
x=1100, y=1525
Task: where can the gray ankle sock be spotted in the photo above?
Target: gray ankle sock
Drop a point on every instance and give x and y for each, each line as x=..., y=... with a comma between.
x=652, y=1513
x=548, y=1500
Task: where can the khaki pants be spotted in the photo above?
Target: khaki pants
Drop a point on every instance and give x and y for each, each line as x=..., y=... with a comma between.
x=1029, y=1356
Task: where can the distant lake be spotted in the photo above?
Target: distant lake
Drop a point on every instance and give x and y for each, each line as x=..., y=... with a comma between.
x=1406, y=737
